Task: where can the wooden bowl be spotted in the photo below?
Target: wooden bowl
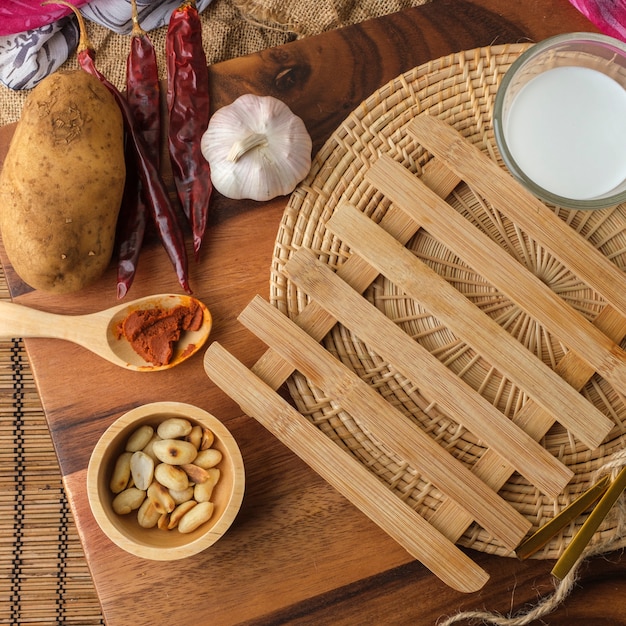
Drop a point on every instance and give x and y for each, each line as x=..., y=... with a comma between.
x=154, y=543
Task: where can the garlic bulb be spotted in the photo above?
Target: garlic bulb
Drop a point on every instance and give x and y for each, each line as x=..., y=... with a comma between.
x=257, y=148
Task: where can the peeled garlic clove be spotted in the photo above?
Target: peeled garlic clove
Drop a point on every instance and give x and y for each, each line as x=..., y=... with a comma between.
x=257, y=148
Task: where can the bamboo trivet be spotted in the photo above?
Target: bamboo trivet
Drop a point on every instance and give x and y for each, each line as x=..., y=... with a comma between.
x=371, y=410
x=459, y=90
x=254, y=394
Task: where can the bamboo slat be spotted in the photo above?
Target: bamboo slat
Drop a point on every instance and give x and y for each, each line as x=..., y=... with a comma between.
x=533, y=420
x=522, y=207
x=539, y=222
x=355, y=272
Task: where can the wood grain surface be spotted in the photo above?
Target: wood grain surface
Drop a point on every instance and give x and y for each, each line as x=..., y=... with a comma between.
x=298, y=552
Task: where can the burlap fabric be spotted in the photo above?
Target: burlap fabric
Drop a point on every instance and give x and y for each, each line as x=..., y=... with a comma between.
x=44, y=578
x=231, y=28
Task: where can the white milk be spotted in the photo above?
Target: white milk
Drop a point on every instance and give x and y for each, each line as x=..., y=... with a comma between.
x=566, y=130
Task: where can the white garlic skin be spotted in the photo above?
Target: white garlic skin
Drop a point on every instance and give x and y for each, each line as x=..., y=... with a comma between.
x=270, y=169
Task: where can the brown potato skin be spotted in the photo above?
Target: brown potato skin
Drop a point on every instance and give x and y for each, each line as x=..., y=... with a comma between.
x=62, y=183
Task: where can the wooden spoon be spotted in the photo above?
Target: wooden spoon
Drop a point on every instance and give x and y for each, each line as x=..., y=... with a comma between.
x=99, y=333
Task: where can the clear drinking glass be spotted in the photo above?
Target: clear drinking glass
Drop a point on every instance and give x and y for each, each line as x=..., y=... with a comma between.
x=560, y=120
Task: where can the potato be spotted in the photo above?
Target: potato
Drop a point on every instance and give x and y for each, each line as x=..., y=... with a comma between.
x=62, y=183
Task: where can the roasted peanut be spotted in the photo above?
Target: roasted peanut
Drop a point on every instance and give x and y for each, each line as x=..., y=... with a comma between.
x=202, y=492
x=168, y=474
x=128, y=500
x=147, y=515
x=147, y=449
x=197, y=516
x=173, y=428
x=179, y=511
x=160, y=498
x=195, y=436
x=208, y=458
x=171, y=476
x=164, y=521
x=141, y=469
x=181, y=495
x=196, y=474
x=207, y=439
x=121, y=473
x=139, y=439
x=174, y=451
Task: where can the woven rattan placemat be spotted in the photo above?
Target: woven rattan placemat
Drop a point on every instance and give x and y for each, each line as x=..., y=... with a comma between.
x=459, y=89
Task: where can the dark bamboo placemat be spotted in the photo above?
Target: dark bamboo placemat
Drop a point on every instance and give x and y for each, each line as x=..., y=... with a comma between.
x=44, y=577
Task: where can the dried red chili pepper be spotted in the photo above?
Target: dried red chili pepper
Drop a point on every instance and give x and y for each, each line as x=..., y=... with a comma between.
x=188, y=107
x=143, y=96
x=142, y=88
x=131, y=227
x=161, y=208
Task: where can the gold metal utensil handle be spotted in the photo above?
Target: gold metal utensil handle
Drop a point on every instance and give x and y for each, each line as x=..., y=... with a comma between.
x=541, y=537
x=583, y=536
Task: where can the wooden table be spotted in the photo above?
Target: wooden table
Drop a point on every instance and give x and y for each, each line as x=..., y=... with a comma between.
x=298, y=552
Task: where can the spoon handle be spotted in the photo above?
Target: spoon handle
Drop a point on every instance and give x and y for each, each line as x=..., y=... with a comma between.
x=17, y=321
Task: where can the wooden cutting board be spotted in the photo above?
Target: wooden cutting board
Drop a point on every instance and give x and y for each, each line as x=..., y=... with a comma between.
x=297, y=547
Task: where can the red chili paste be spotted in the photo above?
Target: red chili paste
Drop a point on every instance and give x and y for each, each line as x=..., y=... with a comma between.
x=153, y=333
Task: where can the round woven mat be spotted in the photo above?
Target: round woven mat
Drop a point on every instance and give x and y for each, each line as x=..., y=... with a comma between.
x=459, y=89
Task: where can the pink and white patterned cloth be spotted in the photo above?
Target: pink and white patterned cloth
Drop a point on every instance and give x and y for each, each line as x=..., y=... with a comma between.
x=35, y=40
x=17, y=16
x=608, y=15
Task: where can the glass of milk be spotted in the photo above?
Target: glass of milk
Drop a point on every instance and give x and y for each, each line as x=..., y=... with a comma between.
x=560, y=120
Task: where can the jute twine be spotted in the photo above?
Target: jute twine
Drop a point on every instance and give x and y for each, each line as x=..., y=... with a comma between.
x=562, y=588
